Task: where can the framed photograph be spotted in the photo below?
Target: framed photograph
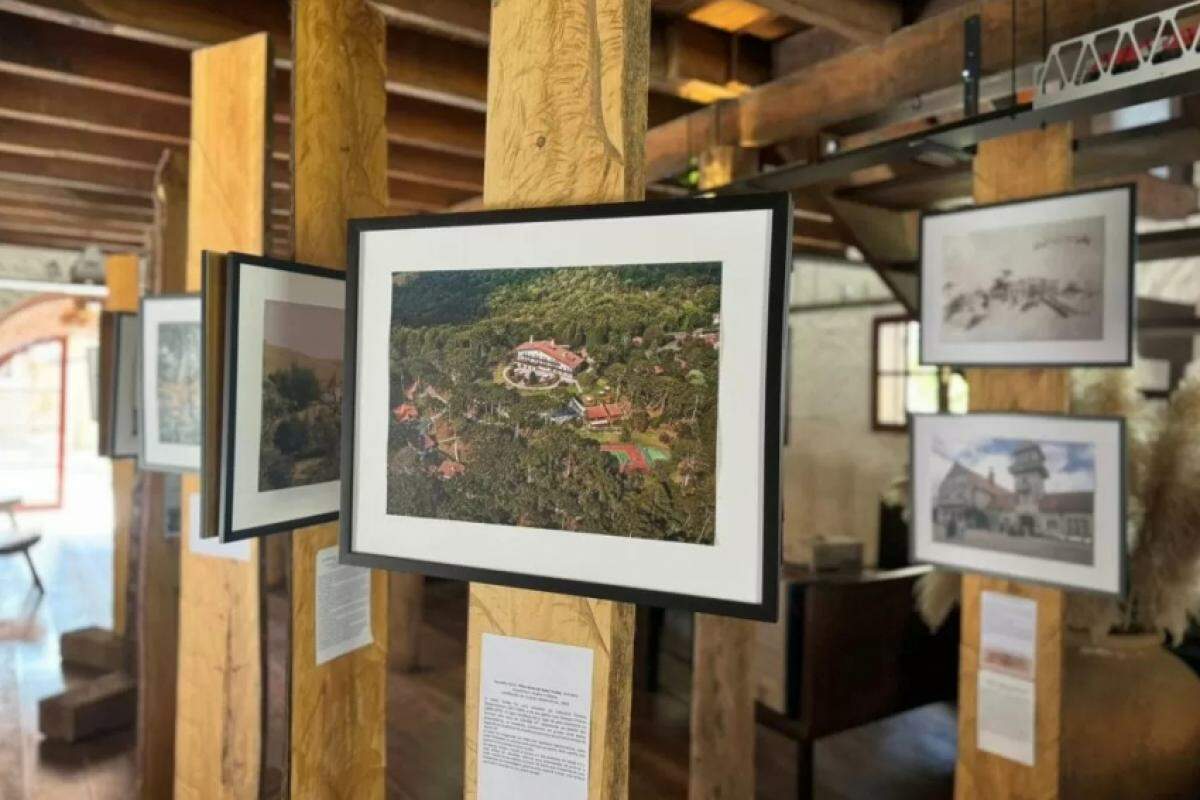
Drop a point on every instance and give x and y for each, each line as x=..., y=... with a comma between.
x=583, y=400
x=170, y=370
x=1037, y=497
x=123, y=406
x=281, y=395
x=1031, y=282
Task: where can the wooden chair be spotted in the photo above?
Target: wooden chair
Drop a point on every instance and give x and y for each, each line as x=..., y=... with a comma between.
x=18, y=542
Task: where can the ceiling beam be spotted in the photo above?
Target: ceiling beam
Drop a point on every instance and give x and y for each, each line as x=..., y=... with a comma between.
x=84, y=233
x=28, y=99
x=36, y=213
x=53, y=141
x=914, y=60
x=862, y=21
x=26, y=239
x=435, y=169
x=422, y=197
x=80, y=57
x=17, y=189
x=78, y=175
x=464, y=20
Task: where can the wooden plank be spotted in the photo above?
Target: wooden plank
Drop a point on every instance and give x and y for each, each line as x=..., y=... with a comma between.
x=158, y=576
x=84, y=230
x=22, y=239
x=36, y=212
x=23, y=97
x=338, y=745
x=95, y=648
x=13, y=189
x=73, y=55
x=585, y=83
x=55, y=141
x=78, y=175
x=219, y=732
x=122, y=278
x=436, y=169
x=721, y=752
x=862, y=21
x=406, y=596
x=101, y=704
x=464, y=20
x=1025, y=165
x=423, y=196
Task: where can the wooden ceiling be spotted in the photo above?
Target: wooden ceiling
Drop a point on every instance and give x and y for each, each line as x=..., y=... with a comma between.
x=93, y=91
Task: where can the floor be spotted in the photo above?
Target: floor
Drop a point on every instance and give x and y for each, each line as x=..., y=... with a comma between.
x=908, y=756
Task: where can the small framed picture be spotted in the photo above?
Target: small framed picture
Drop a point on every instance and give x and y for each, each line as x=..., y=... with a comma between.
x=280, y=439
x=119, y=370
x=584, y=400
x=170, y=377
x=1036, y=497
x=1031, y=282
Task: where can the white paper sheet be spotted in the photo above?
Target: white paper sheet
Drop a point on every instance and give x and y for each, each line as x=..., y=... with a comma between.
x=535, y=707
x=343, y=601
x=1008, y=634
x=1006, y=716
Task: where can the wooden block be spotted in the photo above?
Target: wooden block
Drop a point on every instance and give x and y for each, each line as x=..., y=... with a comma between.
x=406, y=593
x=338, y=718
x=95, y=648
x=722, y=719
x=106, y=703
x=219, y=729
x=567, y=88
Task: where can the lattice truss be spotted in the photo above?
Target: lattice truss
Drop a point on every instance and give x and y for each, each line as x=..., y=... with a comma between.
x=1150, y=48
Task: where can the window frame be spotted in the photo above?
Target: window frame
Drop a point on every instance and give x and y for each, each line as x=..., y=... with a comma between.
x=873, y=386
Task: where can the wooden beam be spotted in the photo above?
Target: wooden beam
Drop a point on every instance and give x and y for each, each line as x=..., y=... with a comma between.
x=464, y=20
x=76, y=56
x=582, y=75
x=71, y=144
x=219, y=734
x=158, y=556
x=93, y=230
x=338, y=708
x=26, y=98
x=77, y=174
x=19, y=190
x=423, y=196
x=37, y=212
x=916, y=59
x=1025, y=165
x=805, y=48
x=420, y=123
x=436, y=169
x=862, y=21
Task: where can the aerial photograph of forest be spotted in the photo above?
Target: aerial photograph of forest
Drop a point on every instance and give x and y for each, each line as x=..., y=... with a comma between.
x=301, y=395
x=572, y=398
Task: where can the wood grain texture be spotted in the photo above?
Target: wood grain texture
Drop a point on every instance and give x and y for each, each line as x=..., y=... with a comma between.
x=721, y=751
x=158, y=576
x=567, y=84
x=722, y=719
x=219, y=730
x=122, y=279
x=406, y=593
x=1020, y=166
x=338, y=717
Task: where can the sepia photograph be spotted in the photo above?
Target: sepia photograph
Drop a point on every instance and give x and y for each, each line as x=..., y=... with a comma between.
x=1023, y=495
x=567, y=399
x=301, y=394
x=577, y=398
x=1042, y=281
x=277, y=455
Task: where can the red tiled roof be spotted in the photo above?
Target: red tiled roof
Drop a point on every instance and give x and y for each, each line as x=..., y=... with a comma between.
x=451, y=468
x=606, y=411
x=556, y=351
x=405, y=411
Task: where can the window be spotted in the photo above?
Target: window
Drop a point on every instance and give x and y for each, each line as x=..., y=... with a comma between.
x=900, y=384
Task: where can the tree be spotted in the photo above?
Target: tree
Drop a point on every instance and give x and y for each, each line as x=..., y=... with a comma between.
x=291, y=436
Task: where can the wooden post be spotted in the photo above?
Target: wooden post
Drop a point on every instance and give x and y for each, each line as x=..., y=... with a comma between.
x=158, y=573
x=406, y=597
x=219, y=727
x=339, y=171
x=721, y=763
x=1019, y=166
x=121, y=276
x=567, y=92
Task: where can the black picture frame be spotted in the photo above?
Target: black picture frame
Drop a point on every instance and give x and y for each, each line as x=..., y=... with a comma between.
x=234, y=261
x=1131, y=268
x=779, y=248
x=119, y=321
x=1122, y=501
x=144, y=462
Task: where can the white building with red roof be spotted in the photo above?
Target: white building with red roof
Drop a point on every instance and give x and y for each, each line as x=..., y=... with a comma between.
x=548, y=359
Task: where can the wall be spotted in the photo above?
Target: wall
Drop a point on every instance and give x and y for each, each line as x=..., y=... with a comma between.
x=835, y=466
